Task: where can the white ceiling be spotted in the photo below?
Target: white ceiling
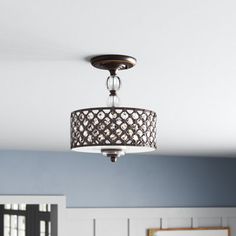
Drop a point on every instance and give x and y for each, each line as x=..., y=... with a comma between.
x=186, y=69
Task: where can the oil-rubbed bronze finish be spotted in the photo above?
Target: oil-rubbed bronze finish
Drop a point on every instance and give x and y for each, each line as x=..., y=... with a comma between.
x=113, y=63
x=113, y=131
x=112, y=128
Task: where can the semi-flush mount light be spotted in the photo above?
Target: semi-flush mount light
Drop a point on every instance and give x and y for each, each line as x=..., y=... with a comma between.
x=113, y=130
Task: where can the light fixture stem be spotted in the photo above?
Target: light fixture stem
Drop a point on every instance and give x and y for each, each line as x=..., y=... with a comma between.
x=113, y=72
x=113, y=100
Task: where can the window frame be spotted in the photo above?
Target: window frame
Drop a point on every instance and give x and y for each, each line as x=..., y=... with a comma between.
x=33, y=217
x=59, y=200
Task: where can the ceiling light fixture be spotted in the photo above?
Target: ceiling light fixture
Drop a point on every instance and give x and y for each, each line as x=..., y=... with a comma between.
x=113, y=130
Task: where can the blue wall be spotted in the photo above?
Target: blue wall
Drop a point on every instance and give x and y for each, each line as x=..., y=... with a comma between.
x=134, y=181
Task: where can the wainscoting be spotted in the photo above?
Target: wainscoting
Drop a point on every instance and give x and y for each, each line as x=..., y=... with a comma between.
x=136, y=221
x=127, y=221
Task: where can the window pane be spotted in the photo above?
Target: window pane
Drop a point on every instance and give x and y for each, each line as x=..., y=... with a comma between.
x=13, y=232
x=6, y=231
x=6, y=221
x=49, y=228
x=42, y=227
x=15, y=206
x=14, y=222
x=43, y=207
x=7, y=206
x=21, y=233
x=21, y=222
x=22, y=207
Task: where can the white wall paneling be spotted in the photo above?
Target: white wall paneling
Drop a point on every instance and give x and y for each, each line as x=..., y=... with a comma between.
x=136, y=221
x=127, y=221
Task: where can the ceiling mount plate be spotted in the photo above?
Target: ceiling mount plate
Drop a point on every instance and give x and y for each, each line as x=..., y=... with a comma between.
x=113, y=63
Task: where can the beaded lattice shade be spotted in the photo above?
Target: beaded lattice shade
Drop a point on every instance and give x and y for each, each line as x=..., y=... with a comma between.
x=96, y=128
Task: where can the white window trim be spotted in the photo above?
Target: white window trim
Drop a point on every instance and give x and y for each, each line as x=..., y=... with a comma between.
x=59, y=200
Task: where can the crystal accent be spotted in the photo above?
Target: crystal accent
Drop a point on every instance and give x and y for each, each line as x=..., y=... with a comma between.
x=124, y=115
x=113, y=83
x=101, y=115
x=113, y=126
x=113, y=101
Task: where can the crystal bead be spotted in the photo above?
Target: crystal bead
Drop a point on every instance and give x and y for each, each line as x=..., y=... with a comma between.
x=107, y=121
x=135, y=116
x=101, y=115
x=113, y=83
x=90, y=116
x=101, y=137
x=101, y=126
x=124, y=115
x=118, y=132
x=95, y=132
x=113, y=101
x=124, y=137
x=81, y=117
x=113, y=137
x=124, y=126
x=107, y=132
